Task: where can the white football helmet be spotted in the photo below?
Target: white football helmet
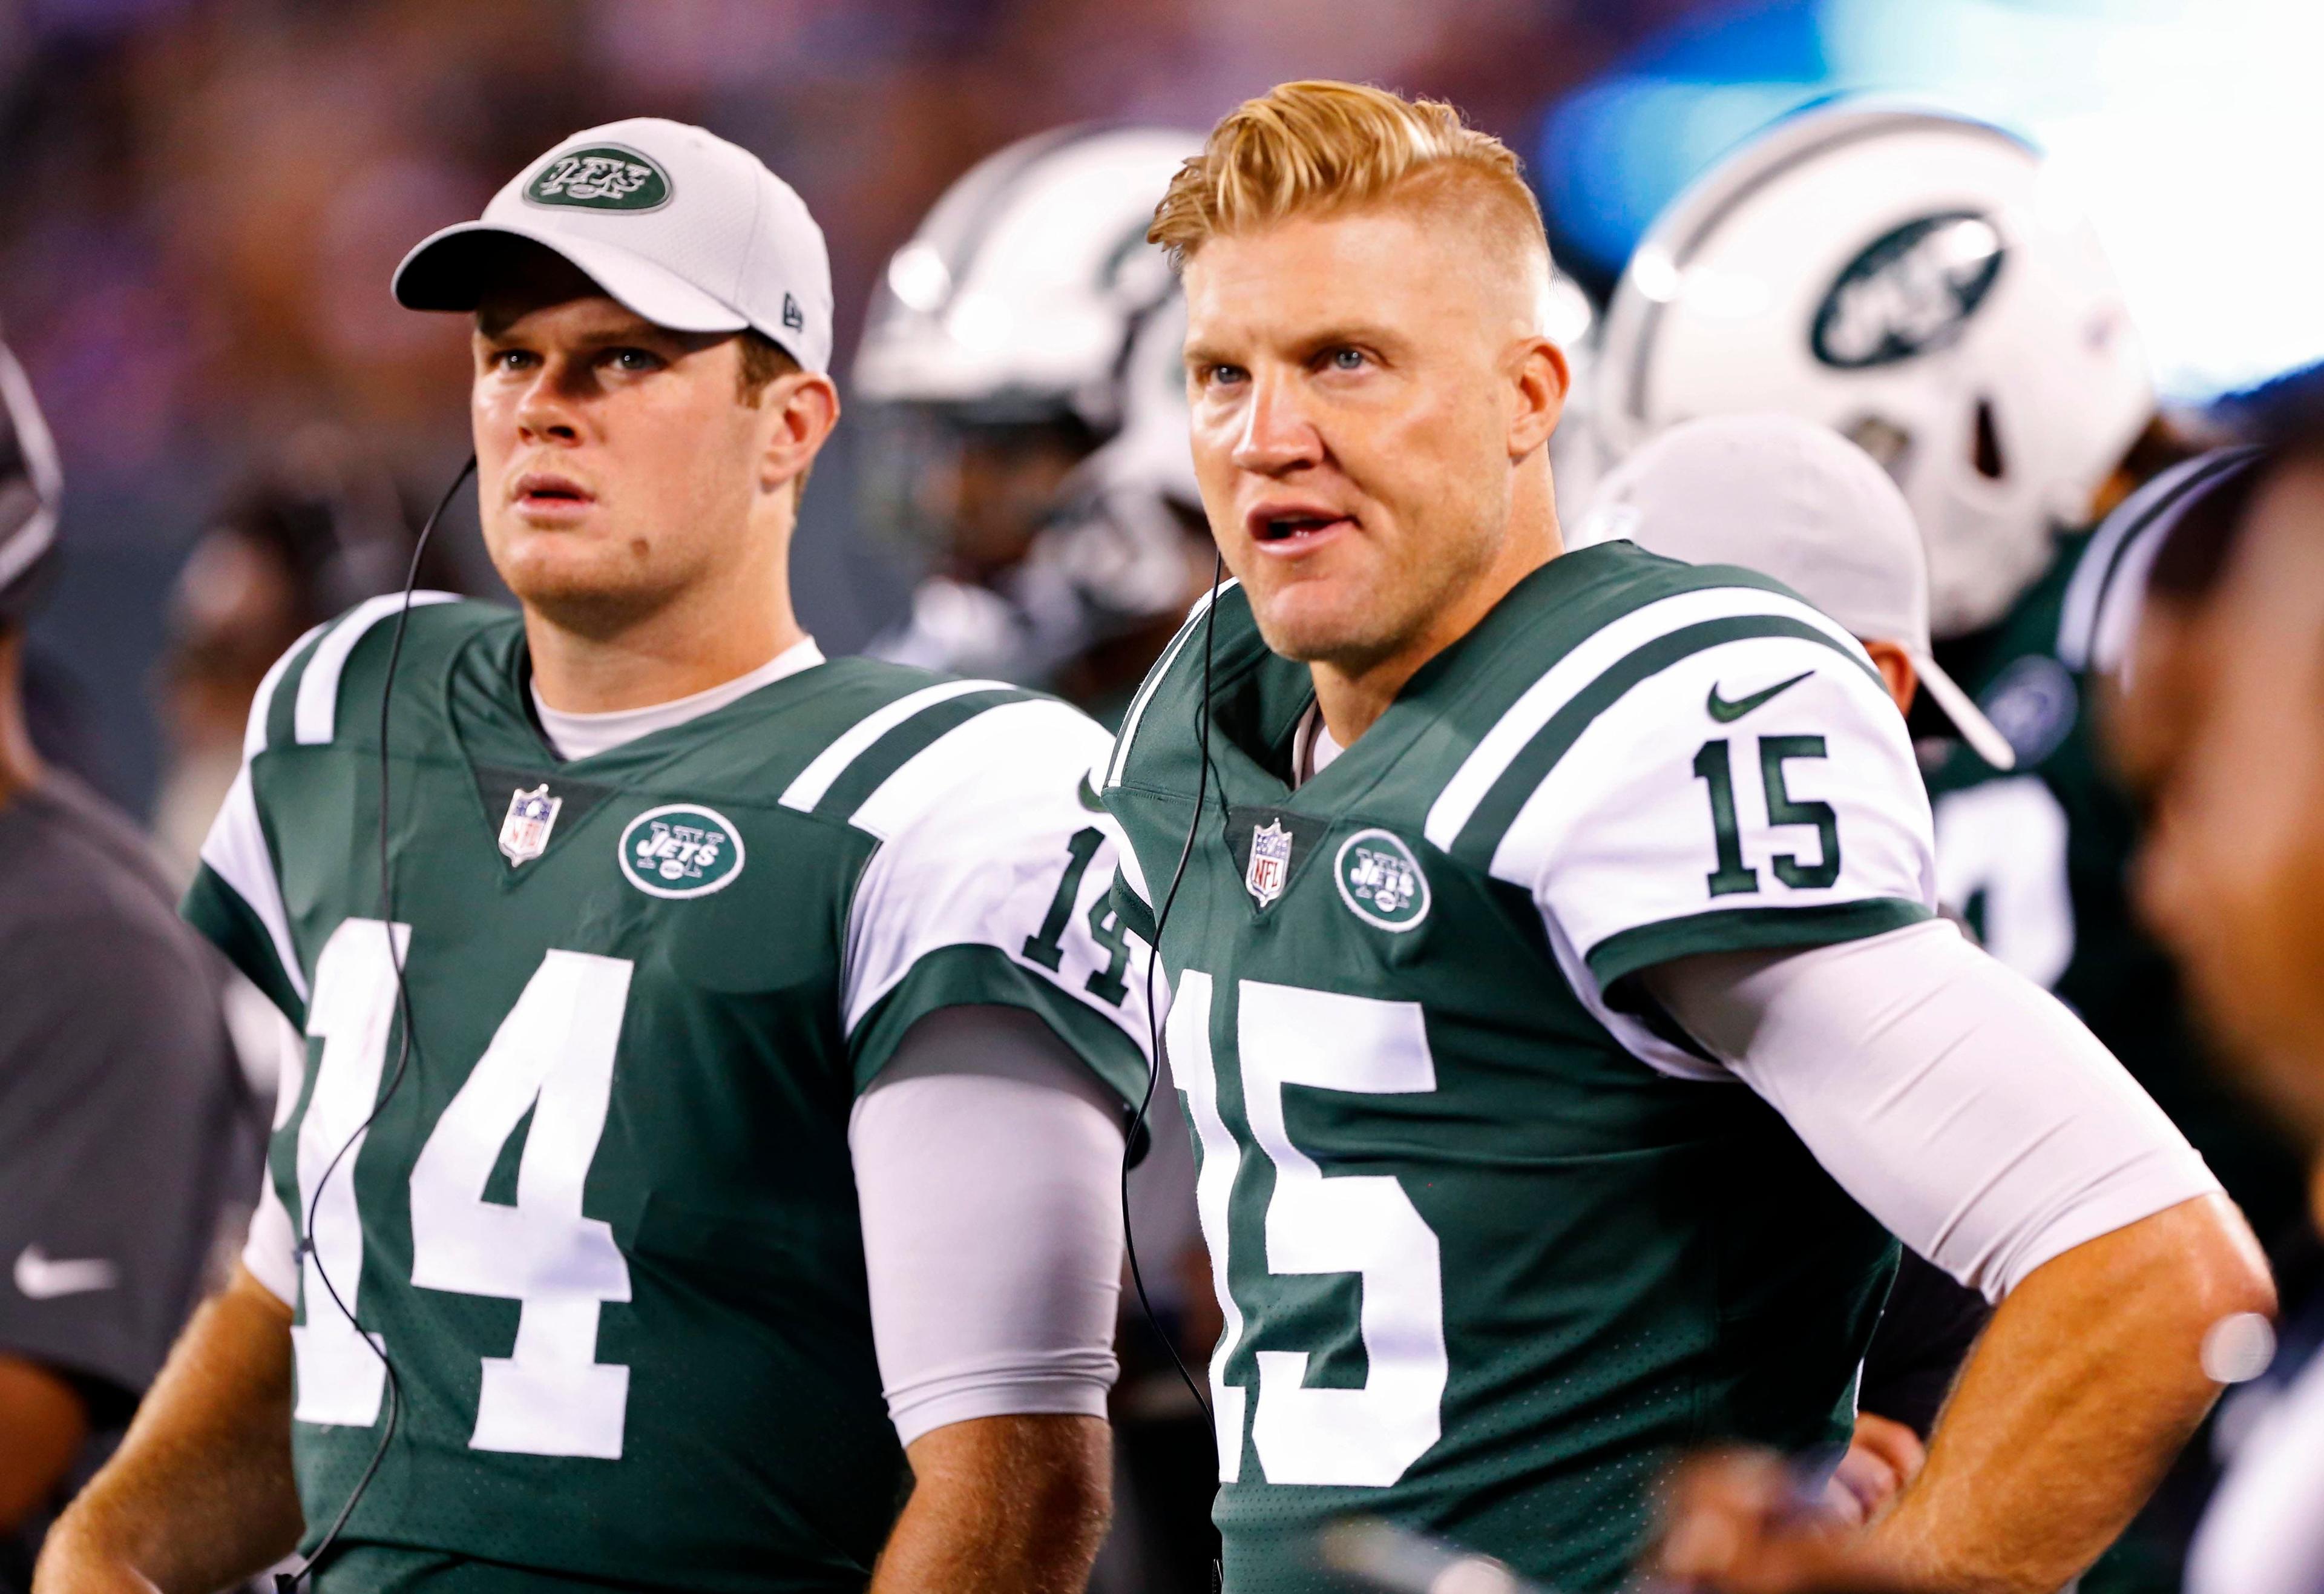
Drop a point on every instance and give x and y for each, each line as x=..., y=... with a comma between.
x=1027, y=339
x=1013, y=298
x=1910, y=279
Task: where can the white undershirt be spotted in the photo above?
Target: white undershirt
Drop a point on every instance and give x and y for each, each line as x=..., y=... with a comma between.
x=1959, y=1102
x=1314, y=748
x=987, y=1161
x=585, y=736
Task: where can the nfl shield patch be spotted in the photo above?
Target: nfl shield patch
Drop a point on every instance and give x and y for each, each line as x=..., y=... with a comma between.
x=531, y=815
x=1270, y=861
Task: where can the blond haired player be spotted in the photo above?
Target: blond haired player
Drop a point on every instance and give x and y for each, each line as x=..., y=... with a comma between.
x=1553, y=983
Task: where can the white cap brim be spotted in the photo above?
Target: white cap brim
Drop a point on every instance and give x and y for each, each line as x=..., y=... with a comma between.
x=1968, y=718
x=443, y=272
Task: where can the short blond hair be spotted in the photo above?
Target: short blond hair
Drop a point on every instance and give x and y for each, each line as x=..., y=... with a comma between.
x=1320, y=145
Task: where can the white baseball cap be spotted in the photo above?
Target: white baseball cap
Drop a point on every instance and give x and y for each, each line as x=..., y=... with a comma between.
x=678, y=226
x=1796, y=501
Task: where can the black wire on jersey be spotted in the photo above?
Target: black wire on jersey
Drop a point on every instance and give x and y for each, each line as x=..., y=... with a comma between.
x=1154, y=1023
x=287, y=1583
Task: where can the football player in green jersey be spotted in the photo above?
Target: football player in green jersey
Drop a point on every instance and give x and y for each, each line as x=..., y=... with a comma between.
x=1552, y=969
x=703, y=1172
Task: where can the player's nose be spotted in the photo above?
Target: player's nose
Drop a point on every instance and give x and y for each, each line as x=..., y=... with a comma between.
x=546, y=410
x=1277, y=433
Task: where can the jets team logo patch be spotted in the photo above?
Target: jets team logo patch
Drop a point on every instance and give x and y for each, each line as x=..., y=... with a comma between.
x=531, y=815
x=1911, y=290
x=602, y=177
x=1270, y=862
x=681, y=849
x=1380, y=881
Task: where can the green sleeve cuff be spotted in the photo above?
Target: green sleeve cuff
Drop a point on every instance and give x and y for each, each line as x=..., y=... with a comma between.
x=219, y=912
x=970, y=976
x=1746, y=929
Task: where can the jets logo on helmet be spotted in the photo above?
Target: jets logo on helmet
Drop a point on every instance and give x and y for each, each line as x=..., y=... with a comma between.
x=1912, y=289
x=1914, y=281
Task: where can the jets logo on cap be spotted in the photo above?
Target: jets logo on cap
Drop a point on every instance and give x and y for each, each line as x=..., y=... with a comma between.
x=1911, y=290
x=601, y=177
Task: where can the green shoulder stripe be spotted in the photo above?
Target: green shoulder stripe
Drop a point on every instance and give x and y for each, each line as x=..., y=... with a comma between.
x=1745, y=929
x=216, y=910
x=972, y=975
x=1481, y=836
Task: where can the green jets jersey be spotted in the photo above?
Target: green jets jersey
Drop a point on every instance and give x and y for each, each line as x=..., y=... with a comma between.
x=2037, y=860
x=1491, y=1238
x=600, y=1217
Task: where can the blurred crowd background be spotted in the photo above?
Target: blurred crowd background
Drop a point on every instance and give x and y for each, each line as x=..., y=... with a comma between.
x=211, y=196
x=208, y=197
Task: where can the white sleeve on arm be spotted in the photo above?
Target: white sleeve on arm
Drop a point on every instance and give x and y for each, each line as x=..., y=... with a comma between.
x=1963, y=1105
x=988, y=1162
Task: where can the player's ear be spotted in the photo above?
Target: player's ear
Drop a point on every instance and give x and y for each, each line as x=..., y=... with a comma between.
x=803, y=406
x=1538, y=381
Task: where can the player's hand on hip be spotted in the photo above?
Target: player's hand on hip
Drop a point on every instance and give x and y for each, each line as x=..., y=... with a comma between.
x=1740, y=1521
x=1883, y=1455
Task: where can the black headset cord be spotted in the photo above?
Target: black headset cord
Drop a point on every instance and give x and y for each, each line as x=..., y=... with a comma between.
x=1154, y=1022
x=287, y=1583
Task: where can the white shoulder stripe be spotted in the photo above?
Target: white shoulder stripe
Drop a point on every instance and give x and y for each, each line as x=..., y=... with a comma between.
x=1121, y=759
x=998, y=739
x=1599, y=653
x=2077, y=615
x=315, y=717
x=829, y=765
x=235, y=851
x=254, y=733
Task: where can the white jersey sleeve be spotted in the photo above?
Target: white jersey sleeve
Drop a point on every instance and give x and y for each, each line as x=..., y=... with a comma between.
x=1719, y=788
x=991, y=885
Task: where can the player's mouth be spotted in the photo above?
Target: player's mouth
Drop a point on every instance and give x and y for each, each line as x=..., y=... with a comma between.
x=545, y=495
x=1288, y=530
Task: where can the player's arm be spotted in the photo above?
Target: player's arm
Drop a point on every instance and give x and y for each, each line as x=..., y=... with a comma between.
x=1002, y=1505
x=986, y=1165
x=42, y=1424
x=1985, y=1126
x=200, y=1493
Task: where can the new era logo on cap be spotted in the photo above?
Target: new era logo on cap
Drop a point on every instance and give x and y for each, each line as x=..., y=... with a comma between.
x=687, y=230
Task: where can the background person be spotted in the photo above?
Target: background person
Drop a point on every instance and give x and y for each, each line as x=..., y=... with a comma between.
x=2223, y=715
x=127, y=1136
x=1793, y=500
x=1023, y=401
x=1918, y=281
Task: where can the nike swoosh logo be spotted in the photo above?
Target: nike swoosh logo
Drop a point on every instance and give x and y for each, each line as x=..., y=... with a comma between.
x=1087, y=794
x=40, y=1278
x=1724, y=711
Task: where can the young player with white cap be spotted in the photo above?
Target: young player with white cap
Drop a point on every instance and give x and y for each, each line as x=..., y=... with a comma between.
x=713, y=1039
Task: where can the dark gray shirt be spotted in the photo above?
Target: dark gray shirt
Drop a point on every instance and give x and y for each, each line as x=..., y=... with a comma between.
x=126, y=1131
